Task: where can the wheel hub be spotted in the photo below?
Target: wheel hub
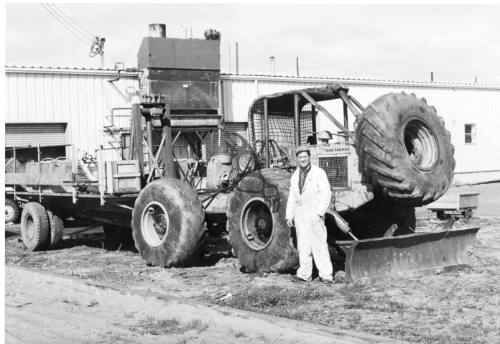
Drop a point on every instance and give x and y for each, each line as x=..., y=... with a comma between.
x=30, y=228
x=154, y=224
x=9, y=212
x=421, y=145
x=257, y=224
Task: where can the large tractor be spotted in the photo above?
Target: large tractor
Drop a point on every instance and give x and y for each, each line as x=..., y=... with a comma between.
x=183, y=174
x=399, y=156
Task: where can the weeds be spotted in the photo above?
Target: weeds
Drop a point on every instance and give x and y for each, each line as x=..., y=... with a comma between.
x=273, y=296
x=167, y=326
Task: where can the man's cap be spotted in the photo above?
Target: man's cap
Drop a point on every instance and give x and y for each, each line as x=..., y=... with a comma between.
x=302, y=149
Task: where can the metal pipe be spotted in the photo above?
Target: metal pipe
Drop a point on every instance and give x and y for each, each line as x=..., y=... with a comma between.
x=297, y=119
x=327, y=114
x=313, y=118
x=39, y=171
x=149, y=141
x=136, y=150
x=346, y=119
x=237, y=60
x=266, y=132
x=167, y=152
x=357, y=103
x=297, y=65
x=347, y=101
x=101, y=166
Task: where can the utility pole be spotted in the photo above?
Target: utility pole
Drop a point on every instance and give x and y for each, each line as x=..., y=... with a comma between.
x=229, y=58
x=432, y=76
x=237, y=60
x=297, y=64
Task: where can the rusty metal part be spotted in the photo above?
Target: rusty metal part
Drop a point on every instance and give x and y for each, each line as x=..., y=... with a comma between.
x=373, y=259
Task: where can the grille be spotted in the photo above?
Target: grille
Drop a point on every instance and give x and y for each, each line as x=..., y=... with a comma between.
x=336, y=170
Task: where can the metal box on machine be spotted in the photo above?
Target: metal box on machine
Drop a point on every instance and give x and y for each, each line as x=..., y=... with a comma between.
x=123, y=177
x=185, y=71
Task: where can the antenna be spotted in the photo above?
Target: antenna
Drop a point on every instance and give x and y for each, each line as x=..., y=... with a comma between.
x=82, y=34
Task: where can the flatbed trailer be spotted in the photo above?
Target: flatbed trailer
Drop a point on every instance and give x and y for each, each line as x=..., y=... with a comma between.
x=455, y=204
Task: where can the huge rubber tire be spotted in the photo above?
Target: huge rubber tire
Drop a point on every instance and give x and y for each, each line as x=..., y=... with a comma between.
x=168, y=223
x=12, y=211
x=35, y=227
x=56, y=225
x=258, y=232
x=405, y=153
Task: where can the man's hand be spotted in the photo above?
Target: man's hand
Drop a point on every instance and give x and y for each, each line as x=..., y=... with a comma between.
x=289, y=222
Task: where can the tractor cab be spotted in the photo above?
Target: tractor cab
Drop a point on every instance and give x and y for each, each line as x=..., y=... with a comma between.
x=280, y=122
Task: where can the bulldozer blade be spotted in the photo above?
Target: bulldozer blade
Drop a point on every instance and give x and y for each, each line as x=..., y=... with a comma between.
x=373, y=259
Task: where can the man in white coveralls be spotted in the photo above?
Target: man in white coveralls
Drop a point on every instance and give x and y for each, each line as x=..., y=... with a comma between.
x=308, y=201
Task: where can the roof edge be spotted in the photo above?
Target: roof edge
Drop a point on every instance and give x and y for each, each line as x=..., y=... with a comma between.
x=353, y=81
x=68, y=71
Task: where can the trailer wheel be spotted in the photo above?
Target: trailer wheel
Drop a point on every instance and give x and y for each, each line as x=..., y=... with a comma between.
x=258, y=232
x=168, y=223
x=56, y=226
x=35, y=226
x=12, y=211
x=404, y=150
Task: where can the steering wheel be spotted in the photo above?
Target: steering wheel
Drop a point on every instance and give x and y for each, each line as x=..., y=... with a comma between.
x=277, y=154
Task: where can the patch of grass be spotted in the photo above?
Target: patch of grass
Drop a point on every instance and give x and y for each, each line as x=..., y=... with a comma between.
x=167, y=326
x=264, y=297
x=239, y=334
x=425, y=308
x=357, y=297
x=116, y=338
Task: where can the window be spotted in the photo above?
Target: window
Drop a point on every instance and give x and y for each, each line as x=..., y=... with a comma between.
x=470, y=133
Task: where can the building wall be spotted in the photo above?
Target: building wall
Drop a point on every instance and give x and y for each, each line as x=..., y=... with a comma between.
x=84, y=98
x=458, y=104
x=81, y=98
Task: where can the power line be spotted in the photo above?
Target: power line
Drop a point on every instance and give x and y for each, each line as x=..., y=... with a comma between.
x=77, y=34
x=75, y=24
x=66, y=23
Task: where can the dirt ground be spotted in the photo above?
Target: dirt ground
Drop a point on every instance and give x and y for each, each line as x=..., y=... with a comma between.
x=458, y=307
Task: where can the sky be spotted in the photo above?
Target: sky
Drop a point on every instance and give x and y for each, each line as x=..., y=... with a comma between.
x=456, y=42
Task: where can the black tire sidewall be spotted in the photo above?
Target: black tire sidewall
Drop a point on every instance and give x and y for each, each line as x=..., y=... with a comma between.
x=280, y=254
x=397, y=111
x=40, y=219
x=56, y=225
x=186, y=222
x=439, y=173
x=9, y=202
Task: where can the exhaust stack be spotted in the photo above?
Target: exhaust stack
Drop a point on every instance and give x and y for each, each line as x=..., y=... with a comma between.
x=157, y=30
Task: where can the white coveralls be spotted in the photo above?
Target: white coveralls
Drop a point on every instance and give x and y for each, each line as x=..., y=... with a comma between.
x=308, y=210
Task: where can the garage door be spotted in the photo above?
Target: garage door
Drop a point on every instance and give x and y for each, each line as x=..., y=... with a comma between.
x=33, y=134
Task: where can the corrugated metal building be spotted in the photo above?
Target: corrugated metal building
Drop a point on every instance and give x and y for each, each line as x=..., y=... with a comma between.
x=74, y=105
x=53, y=106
